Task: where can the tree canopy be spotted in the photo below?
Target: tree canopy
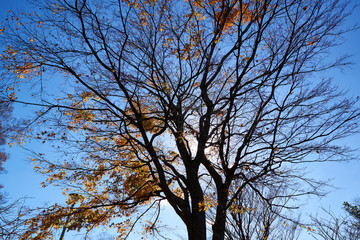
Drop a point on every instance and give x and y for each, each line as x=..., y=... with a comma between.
x=211, y=106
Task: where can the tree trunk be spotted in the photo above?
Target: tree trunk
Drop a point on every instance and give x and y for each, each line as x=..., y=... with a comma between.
x=218, y=227
x=196, y=226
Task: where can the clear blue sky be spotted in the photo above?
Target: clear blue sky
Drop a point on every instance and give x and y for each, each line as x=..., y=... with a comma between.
x=22, y=181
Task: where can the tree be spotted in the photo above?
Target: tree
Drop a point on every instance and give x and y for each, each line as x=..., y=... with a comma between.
x=11, y=221
x=339, y=227
x=190, y=102
x=353, y=225
x=254, y=218
x=5, y=113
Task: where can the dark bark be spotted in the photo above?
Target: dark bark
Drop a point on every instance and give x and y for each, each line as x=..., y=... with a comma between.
x=196, y=226
x=219, y=228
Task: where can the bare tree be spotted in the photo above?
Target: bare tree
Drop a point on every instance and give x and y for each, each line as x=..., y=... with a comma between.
x=163, y=99
x=339, y=227
x=5, y=113
x=12, y=222
x=266, y=214
x=12, y=219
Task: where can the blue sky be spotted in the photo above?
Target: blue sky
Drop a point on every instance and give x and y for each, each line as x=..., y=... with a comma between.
x=20, y=179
